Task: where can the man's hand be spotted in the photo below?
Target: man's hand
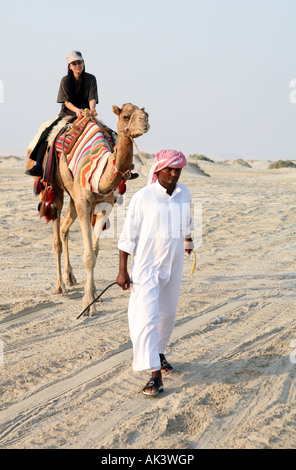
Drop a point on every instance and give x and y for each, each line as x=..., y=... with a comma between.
x=123, y=279
x=189, y=245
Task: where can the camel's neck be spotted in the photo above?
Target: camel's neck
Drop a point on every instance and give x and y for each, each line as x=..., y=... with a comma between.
x=112, y=174
x=124, y=153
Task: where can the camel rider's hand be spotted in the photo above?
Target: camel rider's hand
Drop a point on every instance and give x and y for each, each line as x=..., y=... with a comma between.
x=79, y=113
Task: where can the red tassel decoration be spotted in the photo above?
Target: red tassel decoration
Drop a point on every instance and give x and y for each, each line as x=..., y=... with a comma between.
x=37, y=187
x=122, y=187
x=47, y=195
x=44, y=195
x=50, y=196
x=48, y=213
x=42, y=210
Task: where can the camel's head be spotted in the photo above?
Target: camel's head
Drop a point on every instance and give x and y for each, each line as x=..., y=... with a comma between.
x=132, y=121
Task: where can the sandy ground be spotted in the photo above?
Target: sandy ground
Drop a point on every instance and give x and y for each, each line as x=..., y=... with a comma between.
x=68, y=383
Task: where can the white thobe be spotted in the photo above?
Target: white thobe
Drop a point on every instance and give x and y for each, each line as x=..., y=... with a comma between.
x=153, y=233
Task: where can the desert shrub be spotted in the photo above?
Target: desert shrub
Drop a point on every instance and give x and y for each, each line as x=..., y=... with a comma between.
x=282, y=164
x=201, y=157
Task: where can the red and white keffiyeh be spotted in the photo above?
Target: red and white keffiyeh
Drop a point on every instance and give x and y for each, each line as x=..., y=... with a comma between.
x=164, y=159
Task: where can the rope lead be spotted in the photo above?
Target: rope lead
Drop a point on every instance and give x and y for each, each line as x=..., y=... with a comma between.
x=110, y=285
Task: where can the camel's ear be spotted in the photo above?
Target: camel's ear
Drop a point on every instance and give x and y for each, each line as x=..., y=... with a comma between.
x=116, y=110
x=143, y=109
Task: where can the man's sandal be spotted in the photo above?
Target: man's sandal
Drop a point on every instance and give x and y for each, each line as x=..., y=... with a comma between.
x=154, y=383
x=165, y=365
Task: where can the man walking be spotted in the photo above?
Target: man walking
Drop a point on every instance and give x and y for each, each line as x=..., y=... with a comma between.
x=156, y=230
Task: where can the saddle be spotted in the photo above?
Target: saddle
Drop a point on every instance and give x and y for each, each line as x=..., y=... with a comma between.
x=66, y=138
x=65, y=141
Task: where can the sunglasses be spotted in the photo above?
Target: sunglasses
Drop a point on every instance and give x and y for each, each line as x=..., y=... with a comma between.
x=78, y=62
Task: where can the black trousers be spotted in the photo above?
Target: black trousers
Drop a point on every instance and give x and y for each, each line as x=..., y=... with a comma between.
x=40, y=148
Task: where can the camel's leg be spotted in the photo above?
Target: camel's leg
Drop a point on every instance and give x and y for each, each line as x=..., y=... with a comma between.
x=57, y=244
x=68, y=219
x=102, y=212
x=89, y=257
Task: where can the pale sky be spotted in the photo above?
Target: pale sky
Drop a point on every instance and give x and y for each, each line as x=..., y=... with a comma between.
x=214, y=75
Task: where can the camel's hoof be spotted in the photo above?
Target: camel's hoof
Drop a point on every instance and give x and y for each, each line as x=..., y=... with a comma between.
x=90, y=311
x=59, y=289
x=69, y=279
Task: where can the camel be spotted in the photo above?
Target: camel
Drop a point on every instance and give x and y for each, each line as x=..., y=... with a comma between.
x=132, y=122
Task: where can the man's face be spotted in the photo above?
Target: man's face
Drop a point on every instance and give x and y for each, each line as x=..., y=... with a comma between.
x=168, y=177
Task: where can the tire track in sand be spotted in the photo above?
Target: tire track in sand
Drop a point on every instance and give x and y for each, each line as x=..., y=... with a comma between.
x=19, y=414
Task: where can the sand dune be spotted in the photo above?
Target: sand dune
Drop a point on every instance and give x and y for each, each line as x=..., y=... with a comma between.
x=68, y=383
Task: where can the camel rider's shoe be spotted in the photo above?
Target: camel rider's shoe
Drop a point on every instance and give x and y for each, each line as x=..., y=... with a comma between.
x=35, y=171
x=134, y=176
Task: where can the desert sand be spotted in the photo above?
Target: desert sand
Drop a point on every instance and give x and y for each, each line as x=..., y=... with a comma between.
x=68, y=383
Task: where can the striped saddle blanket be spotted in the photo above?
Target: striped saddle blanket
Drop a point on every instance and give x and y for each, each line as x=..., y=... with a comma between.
x=88, y=157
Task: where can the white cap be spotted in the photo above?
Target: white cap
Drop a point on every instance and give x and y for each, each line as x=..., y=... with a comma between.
x=74, y=55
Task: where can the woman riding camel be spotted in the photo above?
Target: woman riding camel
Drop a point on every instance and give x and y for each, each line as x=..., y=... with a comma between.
x=78, y=90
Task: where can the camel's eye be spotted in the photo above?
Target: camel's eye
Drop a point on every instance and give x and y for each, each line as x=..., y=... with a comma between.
x=126, y=118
